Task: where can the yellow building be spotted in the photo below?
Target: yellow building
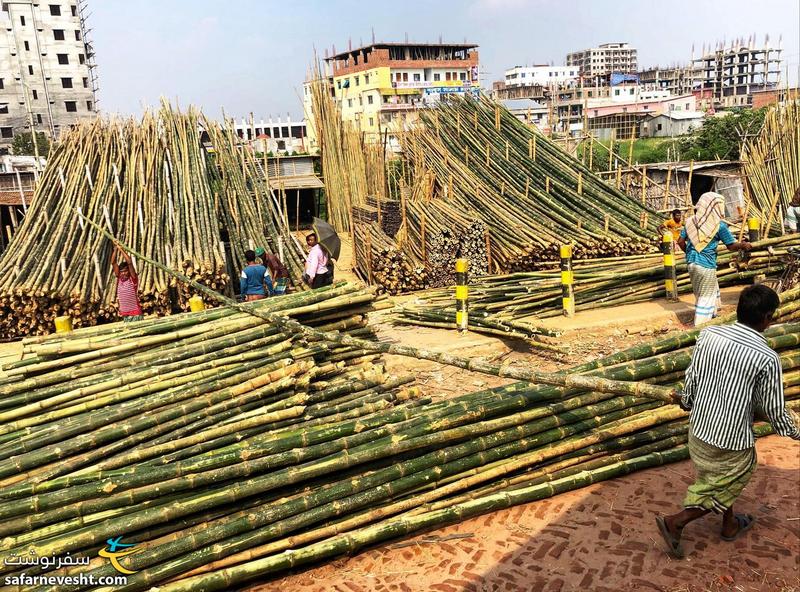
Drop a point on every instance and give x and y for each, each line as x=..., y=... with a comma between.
x=380, y=86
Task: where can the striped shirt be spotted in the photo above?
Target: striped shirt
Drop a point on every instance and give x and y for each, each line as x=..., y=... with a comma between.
x=734, y=373
x=128, y=297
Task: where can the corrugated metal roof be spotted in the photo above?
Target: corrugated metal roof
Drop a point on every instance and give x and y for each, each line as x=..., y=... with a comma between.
x=301, y=182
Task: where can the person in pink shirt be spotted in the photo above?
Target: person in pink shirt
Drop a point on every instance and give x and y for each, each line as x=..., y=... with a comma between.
x=318, y=270
x=127, y=286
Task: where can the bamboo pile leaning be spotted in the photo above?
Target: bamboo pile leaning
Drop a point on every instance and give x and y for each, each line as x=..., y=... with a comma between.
x=154, y=184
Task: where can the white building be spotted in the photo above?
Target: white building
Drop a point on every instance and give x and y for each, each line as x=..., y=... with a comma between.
x=607, y=59
x=275, y=136
x=541, y=75
x=47, y=75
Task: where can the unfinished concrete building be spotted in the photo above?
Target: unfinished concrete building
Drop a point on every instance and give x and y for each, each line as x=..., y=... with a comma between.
x=47, y=75
x=600, y=62
x=678, y=80
x=730, y=75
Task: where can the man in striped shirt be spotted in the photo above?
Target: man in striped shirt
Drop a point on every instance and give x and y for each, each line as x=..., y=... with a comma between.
x=733, y=374
x=127, y=286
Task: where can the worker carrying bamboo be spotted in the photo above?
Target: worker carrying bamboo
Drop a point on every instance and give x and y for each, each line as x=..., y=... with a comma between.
x=793, y=213
x=276, y=269
x=127, y=286
x=733, y=373
x=699, y=239
x=254, y=283
x=318, y=272
x=673, y=225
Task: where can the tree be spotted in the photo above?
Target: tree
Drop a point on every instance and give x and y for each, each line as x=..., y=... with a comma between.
x=23, y=144
x=720, y=138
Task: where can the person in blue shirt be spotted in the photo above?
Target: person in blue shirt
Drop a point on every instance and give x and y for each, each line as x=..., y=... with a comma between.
x=254, y=283
x=699, y=240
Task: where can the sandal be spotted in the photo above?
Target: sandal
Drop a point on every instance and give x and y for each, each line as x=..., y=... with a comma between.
x=675, y=549
x=745, y=522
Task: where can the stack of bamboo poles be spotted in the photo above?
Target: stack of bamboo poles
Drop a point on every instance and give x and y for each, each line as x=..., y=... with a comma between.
x=154, y=185
x=380, y=262
x=599, y=284
x=531, y=196
x=351, y=167
x=772, y=165
x=252, y=453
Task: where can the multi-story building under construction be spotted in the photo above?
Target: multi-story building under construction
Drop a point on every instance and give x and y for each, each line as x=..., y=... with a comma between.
x=730, y=75
x=47, y=76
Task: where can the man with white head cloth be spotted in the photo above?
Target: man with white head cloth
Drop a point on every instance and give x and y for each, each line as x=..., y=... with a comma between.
x=699, y=239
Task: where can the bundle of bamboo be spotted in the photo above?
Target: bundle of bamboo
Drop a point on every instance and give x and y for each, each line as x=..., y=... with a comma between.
x=352, y=168
x=531, y=196
x=253, y=452
x=153, y=184
x=598, y=284
x=379, y=261
x=772, y=164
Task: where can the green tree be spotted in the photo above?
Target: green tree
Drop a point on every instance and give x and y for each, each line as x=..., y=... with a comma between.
x=23, y=144
x=720, y=138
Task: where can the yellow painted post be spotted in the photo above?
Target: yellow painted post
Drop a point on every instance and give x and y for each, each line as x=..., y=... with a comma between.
x=63, y=324
x=754, y=229
x=196, y=303
x=462, y=295
x=670, y=276
x=567, y=280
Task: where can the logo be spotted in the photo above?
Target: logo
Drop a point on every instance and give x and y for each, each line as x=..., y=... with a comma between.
x=115, y=550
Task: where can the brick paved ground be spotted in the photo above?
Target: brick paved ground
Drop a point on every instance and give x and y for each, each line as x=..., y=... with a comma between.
x=602, y=538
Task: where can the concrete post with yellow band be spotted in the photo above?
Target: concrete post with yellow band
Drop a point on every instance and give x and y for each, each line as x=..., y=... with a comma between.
x=567, y=281
x=670, y=275
x=754, y=229
x=462, y=295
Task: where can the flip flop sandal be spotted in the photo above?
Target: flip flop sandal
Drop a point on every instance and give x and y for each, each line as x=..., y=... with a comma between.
x=675, y=549
x=745, y=522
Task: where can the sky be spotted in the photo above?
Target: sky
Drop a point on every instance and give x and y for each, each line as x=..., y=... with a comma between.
x=252, y=56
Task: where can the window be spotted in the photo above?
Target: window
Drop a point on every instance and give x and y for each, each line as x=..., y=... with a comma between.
x=88, y=105
x=22, y=20
x=405, y=76
x=369, y=100
x=371, y=121
x=77, y=35
x=437, y=77
x=74, y=10
x=66, y=83
x=55, y=10
x=85, y=83
x=284, y=132
x=30, y=70
x=2, y=84
x=63, y=59
x=27, y=46
x=416, y=78
x=71, y=106
x=39, y=118
x=361, y=101
x=6, y=132
x=463, y=75
x=447, y=75
x=357, y=78
x=350, y=103
x=4, y=108
x=616, y=92
x=659, y=127
x=687, y=106
x=339, y=84
x=81, y=58
x=58, y=34
x=35, y=95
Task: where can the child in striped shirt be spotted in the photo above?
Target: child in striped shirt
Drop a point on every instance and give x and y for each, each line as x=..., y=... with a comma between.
x=127, y=287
